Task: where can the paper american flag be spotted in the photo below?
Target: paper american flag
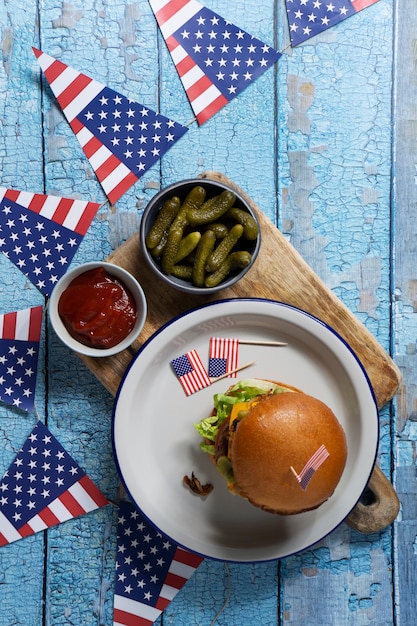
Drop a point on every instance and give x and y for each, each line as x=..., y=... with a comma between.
x=20, y=333
x=191, y=372
x=308, y=18
x=43, y=487
x=215, y=60
x=41, y=233
x=312, y=466
x=223, y=356
x=150, y=570
x=120, y=137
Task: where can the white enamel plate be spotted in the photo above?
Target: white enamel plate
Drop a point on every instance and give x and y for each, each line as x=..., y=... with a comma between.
x=155, y=442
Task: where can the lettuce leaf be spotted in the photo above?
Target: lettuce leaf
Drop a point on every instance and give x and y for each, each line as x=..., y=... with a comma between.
x=243, y=391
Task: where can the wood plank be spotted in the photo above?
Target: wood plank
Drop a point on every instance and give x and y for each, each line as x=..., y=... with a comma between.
x=279, y=273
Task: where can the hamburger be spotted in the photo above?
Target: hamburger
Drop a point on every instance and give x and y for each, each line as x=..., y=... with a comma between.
x=279, y=448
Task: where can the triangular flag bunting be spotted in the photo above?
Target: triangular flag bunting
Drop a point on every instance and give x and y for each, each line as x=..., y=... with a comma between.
x=214, y=59
x=308, y=18
x=150, y=569
x=120, y=137
x=43, y=487
x=20, y=333
x=41, y=233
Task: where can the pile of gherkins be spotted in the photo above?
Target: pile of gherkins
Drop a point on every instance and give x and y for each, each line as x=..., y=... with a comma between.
x=202, y=241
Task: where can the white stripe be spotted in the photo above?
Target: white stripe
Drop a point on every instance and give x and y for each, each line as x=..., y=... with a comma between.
x=115, y=177
x=168, y=592
x=178, y=54
x=82, y=497
x=83, y=99
x=158, y=4
x=136, y=608
x=49, y=206
x=60, y=510
x=25, y=198
x=84, y=136
x=74, y=214
x=100, y=156
x=207, y=97
x=181, y=569
x=8, y=530
x=45, y=61
x=63, y=80
x=180, y=18
x=22, y=325
x=37, y=524
x=3, y=191
x=192, y=76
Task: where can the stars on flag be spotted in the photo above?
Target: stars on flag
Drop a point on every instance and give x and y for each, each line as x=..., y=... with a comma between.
x=215, y=59
x=150, y=569
x=40, y=233
x=308, y=18
x=120, y=137
x=43, y=487
x=20, y=333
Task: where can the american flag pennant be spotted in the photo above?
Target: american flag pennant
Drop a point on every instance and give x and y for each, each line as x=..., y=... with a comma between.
x=120, y=137
x=311, y=467
x=41, y=233
x=20, y=333
x=223, y=356
x=191, y=372
x=43, y=487
x=308, y=18
x=150, y=570
x=215, y=60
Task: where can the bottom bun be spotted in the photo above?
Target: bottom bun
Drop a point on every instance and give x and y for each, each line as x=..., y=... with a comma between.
x=276, y=441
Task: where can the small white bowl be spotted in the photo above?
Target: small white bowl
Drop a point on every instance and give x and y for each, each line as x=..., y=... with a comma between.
x=127, y=279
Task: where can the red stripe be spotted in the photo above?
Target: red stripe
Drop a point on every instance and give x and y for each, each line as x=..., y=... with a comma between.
x=122, y=187
x=54, y=70
x=171, y=43
x=358, y=5
x=76, y=125
x=128, y=619
x=25, y=530
x=86, y=218
x=107, y=167
x=162, y=603
x=35, y=323
x=73, y=90
x=9, y=325
x=12, y=194
x=188, y=558
x=91, y=147
x=71, y=504
x=48, y=517
x=173, y=580
x=37, y=202
x=62, y=210
x=211, y=109
x=185, y=65
x=93, y=491
x=169, y=10
x=199, y=87
x=3, y=540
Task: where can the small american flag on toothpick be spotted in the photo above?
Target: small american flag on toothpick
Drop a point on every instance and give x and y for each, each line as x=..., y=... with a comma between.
x=223, y=356
x=311, y=467
x=191, y=372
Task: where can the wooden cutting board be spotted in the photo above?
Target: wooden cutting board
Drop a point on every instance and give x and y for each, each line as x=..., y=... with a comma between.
x=281, y=274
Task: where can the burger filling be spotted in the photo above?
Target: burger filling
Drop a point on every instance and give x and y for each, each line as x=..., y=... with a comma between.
x=229, y=408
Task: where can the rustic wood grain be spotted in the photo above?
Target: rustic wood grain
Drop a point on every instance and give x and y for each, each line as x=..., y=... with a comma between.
x=279, y=273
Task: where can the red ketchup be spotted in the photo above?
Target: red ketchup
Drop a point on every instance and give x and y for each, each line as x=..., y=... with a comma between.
x=97, y=309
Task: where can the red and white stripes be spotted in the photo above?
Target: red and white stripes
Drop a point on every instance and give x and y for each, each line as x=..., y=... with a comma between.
x=24, y=325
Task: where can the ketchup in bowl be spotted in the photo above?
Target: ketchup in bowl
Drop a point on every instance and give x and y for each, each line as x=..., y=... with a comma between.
x=97, y=309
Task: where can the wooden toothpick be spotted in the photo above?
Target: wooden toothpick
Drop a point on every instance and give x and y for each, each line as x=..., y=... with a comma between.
x=236, y=369
x=260, y=342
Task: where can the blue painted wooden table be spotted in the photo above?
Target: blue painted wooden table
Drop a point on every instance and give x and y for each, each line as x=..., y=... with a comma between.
x=325, y=144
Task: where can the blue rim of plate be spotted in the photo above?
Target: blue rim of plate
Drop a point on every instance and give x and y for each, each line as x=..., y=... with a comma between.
x=213, y=304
